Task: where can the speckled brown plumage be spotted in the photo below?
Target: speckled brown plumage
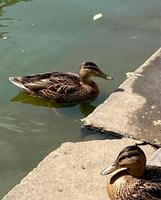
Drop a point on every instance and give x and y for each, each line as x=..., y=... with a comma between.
x=134, y=180
x=63, y=87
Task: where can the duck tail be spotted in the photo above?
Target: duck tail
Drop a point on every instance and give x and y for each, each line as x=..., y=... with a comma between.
x=18, y=82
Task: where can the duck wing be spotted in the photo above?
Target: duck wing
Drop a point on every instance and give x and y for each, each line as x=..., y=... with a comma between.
x=147, y=188
x=145, y=191
x=66, y=87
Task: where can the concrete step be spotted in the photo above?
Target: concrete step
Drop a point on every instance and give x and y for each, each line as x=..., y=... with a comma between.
x=134, y=109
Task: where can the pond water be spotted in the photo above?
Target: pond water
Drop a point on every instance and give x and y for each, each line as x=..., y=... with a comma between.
x=39, y=36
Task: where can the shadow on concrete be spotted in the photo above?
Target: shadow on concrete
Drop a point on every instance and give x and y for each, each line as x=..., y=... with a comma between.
x=119, y=90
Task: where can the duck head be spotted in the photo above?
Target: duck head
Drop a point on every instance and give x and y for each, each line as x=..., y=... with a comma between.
x=90, y=69
x=132, y=159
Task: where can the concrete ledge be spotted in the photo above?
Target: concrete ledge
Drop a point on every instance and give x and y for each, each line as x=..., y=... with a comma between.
x=134, y=109
x=72, y=172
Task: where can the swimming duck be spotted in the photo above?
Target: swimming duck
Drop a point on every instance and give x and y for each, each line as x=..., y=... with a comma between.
x=63, y=86
x=133, y=180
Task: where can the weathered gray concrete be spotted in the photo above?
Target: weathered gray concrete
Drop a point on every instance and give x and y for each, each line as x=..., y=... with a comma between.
x=72, y=172
x=135, y=108
x=156, y=158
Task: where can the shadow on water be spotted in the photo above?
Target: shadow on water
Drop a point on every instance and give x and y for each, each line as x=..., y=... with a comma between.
x=4, y=4
x=85, y=107
x=88, y=133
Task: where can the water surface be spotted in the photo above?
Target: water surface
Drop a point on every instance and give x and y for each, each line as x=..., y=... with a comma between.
x=39, y=36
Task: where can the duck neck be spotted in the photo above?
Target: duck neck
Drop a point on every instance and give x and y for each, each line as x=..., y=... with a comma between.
x=137, y=170
x=136, y=174
x=126, y=172
x=90, y=85
x=87, y=80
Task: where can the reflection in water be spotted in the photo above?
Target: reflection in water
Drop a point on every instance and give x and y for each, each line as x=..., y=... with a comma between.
x=3, y=4
x=39, y=101
x=85, y=107
x=2, y=34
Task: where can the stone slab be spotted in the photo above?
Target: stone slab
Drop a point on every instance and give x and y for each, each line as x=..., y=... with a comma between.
x=72, y=172
x=156, y=158
x=134, y=109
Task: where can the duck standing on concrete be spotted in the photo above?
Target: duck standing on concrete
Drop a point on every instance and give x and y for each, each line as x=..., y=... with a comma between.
x=133, y=180
x=63, y=86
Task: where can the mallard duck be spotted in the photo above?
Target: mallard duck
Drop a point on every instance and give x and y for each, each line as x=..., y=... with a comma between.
x=63, y=87
x=133, y=180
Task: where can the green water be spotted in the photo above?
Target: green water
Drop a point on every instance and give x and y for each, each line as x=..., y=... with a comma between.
x=39, y=36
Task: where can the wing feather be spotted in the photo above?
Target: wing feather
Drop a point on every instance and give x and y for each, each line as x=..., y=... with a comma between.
x=144, y=190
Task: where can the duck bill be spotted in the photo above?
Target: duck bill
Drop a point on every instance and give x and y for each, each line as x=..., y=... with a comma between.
x=109, y=169
x=109, y=77
x=105, y=76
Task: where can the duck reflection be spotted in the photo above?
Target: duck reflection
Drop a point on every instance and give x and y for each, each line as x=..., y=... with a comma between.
x=85, y=107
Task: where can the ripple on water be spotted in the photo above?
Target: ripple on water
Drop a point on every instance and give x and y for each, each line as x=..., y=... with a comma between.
x=11, y=127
